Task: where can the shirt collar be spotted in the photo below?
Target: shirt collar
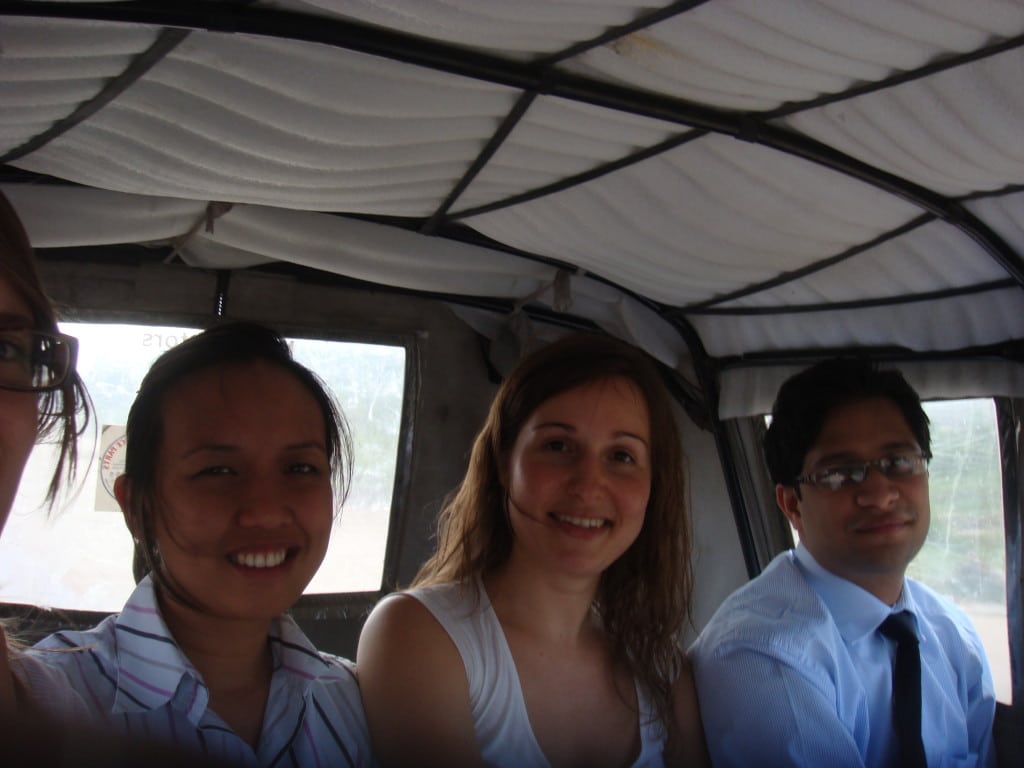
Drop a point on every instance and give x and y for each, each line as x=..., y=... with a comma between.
x=907, y=603
x=295, y=654
x=151, y=669
x=856, y=611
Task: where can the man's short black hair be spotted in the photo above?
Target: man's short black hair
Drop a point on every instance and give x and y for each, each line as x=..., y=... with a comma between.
x=806, y=399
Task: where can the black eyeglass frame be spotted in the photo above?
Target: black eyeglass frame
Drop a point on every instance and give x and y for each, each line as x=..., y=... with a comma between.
x=919, y=466
x=46, y=352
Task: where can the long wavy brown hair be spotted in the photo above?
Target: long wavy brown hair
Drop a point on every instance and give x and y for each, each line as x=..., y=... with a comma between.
x=643, y=599
x=64, y=413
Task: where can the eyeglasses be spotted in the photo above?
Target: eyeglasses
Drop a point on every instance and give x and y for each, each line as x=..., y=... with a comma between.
x=33, y=361
x=896, y=466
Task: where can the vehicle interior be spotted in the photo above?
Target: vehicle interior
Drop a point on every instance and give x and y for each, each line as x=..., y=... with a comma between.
x=418, y=193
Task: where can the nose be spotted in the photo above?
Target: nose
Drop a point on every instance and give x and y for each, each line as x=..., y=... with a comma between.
x=587, y=477
x=263, y=504
x=877, y=490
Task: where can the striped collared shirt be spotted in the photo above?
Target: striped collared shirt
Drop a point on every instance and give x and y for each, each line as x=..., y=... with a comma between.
x=133, y=672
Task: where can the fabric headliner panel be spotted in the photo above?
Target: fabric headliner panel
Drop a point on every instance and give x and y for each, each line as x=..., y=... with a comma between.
x=703, y=219
x=756, y=55
x=67, y=217
x=956, y=132
x=557, y=138
x=933, y=257
x=248, y=235
x=946, y=324
x=619, y=315
x=376, y=253
x=515, y=29
x=240, y=118
x=751, y=390
x=1005, y=215
x=49, y=67
x=366, y=135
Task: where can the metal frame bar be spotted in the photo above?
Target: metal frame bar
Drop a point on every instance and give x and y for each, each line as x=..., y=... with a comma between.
x=911, y=298
x=1010, y=419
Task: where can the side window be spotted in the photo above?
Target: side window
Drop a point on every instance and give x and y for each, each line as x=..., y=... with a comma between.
x=965, y=555
x=80, y=556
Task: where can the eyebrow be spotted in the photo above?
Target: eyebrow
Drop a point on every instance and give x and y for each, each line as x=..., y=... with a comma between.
x=570, y=428
x=847, y=456
x=227, y=448
x=15, y=321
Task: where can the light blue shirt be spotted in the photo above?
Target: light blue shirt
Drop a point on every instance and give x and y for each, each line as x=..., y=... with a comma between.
x=792, y=671
x=134, y=676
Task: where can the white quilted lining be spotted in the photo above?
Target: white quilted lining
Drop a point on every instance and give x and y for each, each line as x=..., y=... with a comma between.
x=289, y=131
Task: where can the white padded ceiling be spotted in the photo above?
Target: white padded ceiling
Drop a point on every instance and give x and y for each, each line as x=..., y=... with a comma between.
x=724, y=182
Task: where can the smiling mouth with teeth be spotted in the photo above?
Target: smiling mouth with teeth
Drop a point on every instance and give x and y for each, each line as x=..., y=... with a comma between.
x=582, y=522
x=260, y=559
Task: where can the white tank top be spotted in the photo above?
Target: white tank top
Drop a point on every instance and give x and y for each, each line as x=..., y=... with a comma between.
x=496, y=701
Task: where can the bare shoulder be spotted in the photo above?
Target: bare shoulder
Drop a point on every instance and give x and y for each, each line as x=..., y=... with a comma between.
x=395, y=612
x=414, y=687
x=399, y=636
x=686, y=745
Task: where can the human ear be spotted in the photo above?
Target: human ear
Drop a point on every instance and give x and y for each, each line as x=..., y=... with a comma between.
x=789, y=503
x=123, y=494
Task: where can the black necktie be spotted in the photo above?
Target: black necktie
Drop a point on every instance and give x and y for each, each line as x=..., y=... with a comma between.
x=906, y=689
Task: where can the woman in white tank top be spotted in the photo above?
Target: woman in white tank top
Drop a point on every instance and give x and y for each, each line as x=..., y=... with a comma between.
x=545, y=630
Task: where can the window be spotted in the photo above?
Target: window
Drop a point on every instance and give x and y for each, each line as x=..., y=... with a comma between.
x=80, y=557
x=965, y=555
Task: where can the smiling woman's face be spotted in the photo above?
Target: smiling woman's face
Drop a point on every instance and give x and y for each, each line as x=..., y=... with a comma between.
x=18, y=410
x=579, y=477
x=243, y=488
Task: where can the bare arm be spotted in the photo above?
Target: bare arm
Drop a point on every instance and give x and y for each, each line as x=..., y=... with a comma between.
x=414, y=689
x=686, y=746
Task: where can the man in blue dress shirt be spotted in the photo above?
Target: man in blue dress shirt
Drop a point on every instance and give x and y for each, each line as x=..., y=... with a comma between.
x=792, y=670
